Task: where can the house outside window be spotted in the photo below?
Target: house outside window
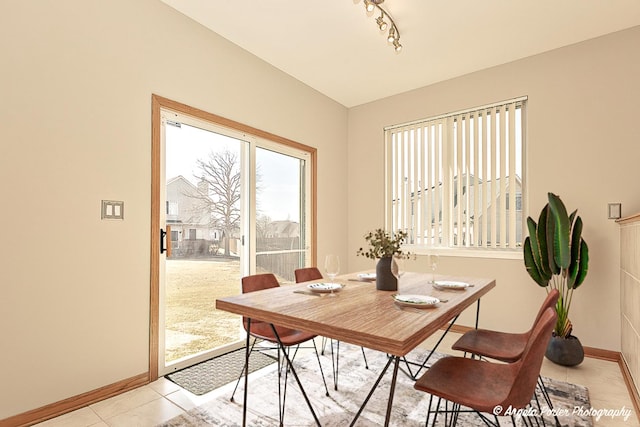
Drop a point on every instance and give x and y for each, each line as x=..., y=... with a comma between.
x=456, y=181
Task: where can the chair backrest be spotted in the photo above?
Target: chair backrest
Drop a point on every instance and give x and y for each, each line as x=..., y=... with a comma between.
x=258, y=282
x=307, y=274
x=527, y=368
x=549, y=302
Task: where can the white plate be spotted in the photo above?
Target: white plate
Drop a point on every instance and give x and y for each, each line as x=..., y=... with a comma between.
x=367, y=276
x=324, y=287
x=448, y=284
x=421, y=301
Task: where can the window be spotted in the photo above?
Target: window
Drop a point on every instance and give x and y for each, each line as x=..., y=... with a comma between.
x=457, y=180
x=172, y=208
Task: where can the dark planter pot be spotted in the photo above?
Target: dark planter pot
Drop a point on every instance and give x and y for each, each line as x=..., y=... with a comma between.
x=565, y=351
x=385, y=280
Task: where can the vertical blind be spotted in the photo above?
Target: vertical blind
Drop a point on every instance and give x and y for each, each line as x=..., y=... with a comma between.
x=457, y=180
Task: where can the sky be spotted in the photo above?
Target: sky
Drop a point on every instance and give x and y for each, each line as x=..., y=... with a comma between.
x=279, y=174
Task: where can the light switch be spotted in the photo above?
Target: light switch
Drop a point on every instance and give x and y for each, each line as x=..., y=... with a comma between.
x=112, y=209
x=615, y=210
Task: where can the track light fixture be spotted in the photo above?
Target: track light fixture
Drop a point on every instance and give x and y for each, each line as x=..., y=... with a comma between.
x=394, y=33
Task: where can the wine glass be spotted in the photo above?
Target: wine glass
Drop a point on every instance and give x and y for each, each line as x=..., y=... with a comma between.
x=397, y=267
x=433, y=263
x=332, y=268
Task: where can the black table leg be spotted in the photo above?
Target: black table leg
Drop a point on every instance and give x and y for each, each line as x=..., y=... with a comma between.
x=392, y=391
x=375, y=385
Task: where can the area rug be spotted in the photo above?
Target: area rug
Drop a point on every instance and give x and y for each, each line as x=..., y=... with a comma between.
x=218, y=371
x=338, y=409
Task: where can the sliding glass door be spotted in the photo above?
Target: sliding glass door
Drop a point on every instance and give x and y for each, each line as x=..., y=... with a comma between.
x=230, y=204
x=203, y=214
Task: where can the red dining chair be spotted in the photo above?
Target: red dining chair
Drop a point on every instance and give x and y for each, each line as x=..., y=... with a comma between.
x=489, y=387
x=308, y=274
x=290, y=338
x=505, y=346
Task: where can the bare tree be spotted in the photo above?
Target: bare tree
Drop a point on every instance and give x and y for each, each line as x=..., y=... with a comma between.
x=220, y=188
x=262, y=226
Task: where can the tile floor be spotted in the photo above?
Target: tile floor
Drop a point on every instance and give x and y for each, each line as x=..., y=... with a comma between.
x=162, y=400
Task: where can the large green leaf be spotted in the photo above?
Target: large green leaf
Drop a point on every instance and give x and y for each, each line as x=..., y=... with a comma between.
x=562, y=230
x=530, y=264
x=576, y=243
x=549, y=233
x=584, y=264
x=541, y=234
x=533, y=243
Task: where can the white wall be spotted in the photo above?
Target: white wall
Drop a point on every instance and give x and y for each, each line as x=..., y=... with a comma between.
x=582, y=145
x=76, y=84
x=75, y=91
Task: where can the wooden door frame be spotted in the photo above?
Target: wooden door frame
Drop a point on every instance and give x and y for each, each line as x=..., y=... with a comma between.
x=157, y=104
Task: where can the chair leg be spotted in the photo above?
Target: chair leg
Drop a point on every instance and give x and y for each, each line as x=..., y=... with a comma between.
x=335, y=363
x=364, y=356
x=426, y=421
x=280, y=391
x=547, y=399
x=324, y=344
x=456, y=413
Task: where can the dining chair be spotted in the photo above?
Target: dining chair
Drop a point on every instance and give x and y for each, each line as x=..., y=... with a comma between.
x=290, y=338
x=487, y=387
x=308, y=274
x=505, y=346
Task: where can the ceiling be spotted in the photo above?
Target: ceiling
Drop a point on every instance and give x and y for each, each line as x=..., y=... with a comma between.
x=336, y=47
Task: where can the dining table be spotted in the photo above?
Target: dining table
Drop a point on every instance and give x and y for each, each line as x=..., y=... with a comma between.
x=359, y=314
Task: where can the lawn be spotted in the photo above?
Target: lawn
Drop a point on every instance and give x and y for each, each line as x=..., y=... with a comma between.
x=192, y=322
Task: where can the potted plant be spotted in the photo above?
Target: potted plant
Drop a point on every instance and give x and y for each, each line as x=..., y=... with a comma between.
x=383, y=246
x=556, y=256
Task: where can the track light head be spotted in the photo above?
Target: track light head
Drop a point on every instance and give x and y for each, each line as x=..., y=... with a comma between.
x=385, y=21
x=396, y=45
x=369, y=5
x=392, y=35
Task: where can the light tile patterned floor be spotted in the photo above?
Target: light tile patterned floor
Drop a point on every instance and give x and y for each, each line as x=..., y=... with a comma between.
x=162, y=400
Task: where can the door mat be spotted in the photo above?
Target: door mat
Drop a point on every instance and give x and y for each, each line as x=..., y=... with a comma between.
x=214, y=373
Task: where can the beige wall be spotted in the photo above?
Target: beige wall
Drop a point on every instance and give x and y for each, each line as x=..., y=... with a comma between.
x=76, y=86
x=77, y=79
x=582, y=144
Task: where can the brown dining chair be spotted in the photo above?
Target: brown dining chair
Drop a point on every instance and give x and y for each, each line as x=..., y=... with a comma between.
x=506, y=346
x=503, y=346
x=308, y=274
x=489, y=387
x=290, y=338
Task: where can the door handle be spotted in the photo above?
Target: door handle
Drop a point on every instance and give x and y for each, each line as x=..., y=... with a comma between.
x=163, y=236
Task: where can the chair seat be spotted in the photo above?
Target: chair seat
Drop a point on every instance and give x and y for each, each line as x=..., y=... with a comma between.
x=503, y=346
x=450, y=377
x=289, y=337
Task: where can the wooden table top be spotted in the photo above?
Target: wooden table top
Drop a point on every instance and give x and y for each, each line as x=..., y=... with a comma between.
x=359, y=314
